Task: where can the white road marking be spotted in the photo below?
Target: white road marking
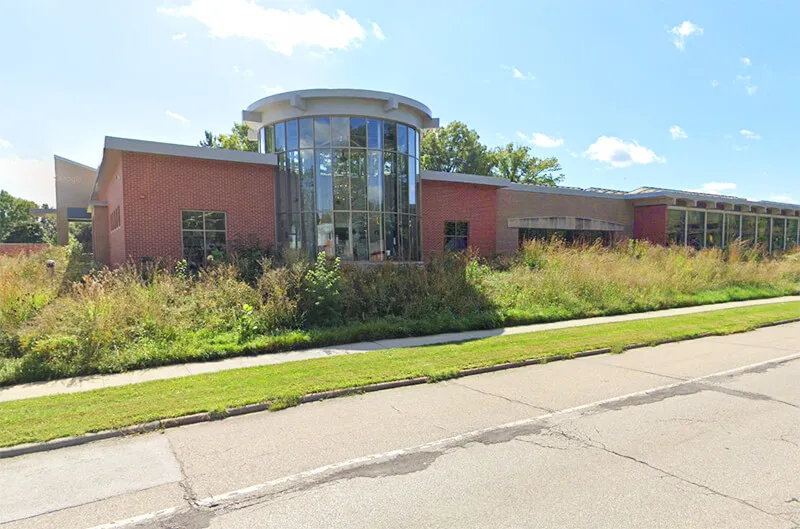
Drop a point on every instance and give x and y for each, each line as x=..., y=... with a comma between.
x=137, y=519
x=214, y=501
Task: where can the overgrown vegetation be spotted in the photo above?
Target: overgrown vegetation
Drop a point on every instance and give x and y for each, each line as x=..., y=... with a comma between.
x=82, y=321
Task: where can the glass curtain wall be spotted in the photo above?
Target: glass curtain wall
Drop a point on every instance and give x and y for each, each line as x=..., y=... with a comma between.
x=706, y=229
x=347, y=186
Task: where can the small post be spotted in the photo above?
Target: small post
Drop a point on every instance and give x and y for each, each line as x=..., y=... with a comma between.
x=51, y=268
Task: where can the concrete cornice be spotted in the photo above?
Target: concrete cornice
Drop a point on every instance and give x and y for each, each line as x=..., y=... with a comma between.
x=188, y=151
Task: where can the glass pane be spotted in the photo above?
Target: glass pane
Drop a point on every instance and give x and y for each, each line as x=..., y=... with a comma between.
x=322, y=132
x=714, y=230
x=390, y=135
x=763, y=233
x=676, y=227
x=778, y=231
x=359, y=232
x=307, y=180
x=412, y=141
x=215, y=221
x=325, y=234
x=324, y=180
x=358, y=132
x=449, y=229
x=192, y=220
x=389, y=182
x=374, y=134
x=309, y=242
x=462, y=229
x=341, y=233
x=404, y=231
x=306, y=133
x=215, y=242
x=402, y=183
x=293, y=184
x=412, y=187
x=696, y=222
x=262, y=140
x=193, y=246
x=390, y=229
x=291, y=135
x=341, y=180
x=280, y=137
x=375, y=231
x=732, y=222
x=341, y=131
x=375, y=180
x=791, y=233
x=289, y=231
x=402, y=138
x=358, y=179
x=269, y=137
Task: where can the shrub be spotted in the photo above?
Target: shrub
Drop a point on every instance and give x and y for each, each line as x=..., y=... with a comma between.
x=319, y=299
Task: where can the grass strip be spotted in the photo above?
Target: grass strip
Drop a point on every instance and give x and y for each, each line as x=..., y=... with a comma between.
x=46, y=418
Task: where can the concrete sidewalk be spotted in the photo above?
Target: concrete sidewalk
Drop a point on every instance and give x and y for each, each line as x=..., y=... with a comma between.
x=78, y=384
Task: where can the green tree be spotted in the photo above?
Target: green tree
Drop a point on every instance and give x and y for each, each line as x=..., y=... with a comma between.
x=455, y=148
x=235, y=141
x=13, y=213
x=516, y=163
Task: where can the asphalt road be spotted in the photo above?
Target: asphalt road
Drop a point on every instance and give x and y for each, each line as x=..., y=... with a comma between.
x=697, y=434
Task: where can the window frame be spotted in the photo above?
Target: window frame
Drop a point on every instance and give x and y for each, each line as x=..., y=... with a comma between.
x=203, y=230
x=455, y=235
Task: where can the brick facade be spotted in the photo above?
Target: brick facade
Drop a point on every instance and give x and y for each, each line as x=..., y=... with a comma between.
x=151, y=191
x=448, y=201
x=650, y=223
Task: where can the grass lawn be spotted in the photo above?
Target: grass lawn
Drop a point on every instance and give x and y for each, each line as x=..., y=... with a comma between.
x=46, y=418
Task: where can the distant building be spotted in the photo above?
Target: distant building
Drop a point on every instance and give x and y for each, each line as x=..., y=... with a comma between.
x=338, y=172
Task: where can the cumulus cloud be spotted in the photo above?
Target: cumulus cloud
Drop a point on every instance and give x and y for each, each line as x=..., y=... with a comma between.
x=179, y=36
x=377, y=31
x=677, y=133
x=682, y=32
x=174, y=115
x=281, y=30
x=619, y=153
x=749, y=134
x=5, y=143
x=714, y=83
x=517, y=74
x=29, y=178
x=747, y=81
x=541, y=140
x=716, y=188
x=746, y=61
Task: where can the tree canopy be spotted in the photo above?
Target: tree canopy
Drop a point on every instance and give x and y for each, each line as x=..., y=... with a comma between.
x=235, y=141
x=456, y=148
x=18, y=225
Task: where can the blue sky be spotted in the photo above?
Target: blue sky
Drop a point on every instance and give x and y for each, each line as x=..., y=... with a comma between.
x=671, y=93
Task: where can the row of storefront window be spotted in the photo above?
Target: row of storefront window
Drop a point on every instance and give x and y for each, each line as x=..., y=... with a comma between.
x=712, y=229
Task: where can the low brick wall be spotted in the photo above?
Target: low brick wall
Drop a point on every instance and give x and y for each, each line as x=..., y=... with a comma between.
x=13, y=248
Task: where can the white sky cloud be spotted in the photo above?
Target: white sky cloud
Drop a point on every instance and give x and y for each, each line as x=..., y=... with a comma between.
x=747, y=81
x=270, y=90
x=29, y=178
x=682, y=32
x=377, y=31
x=541, y=140
x=746, y=61
x=280, y=30
x=5, y=143
x=179, y=36
x=619, y=153
x=517, y=74
x=677, y=133
x=714, y=83
x=749, y=134
x=740, y=148
x=716, y=188
x=782, y=198
x=173, y=115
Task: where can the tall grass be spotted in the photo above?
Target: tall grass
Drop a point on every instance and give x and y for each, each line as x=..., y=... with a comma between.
x=70, y=323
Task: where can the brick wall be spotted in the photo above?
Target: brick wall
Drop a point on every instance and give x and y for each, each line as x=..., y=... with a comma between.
x=114, y=194
x=157, y=188
x=12, y=248
x=448, y=201
x=650, y=223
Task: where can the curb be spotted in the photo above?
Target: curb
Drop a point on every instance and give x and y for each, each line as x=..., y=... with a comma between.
x=196, y=418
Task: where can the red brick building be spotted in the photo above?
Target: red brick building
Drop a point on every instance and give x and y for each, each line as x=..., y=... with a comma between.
x=339, y=172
